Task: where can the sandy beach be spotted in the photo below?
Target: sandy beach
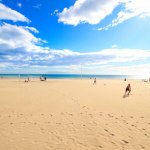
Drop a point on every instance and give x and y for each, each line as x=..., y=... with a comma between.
x=74, y=114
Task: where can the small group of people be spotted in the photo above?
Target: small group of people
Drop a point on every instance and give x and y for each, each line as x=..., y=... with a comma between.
x=146, y=80
x=42, y=78
x=28, y=80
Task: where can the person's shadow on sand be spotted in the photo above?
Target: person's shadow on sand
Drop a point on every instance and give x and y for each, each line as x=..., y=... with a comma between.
x=125, y=95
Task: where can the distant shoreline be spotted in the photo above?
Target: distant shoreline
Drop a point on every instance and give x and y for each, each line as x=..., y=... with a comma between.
x=70, y=76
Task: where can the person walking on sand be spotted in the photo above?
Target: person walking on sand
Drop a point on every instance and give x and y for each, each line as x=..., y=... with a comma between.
x=128, y=89
x=94, y=81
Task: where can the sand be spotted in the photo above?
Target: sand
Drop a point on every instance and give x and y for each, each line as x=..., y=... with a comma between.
x=74, y=115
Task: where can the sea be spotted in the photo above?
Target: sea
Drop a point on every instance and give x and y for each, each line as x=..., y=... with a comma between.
x=70, y=76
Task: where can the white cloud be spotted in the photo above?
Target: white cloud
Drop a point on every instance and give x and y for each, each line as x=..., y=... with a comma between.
x=32, y=29
x=140, y=70
x=7, y=13
x=19, y=46
x=55, y=12
x=13, y=37
x=87, y=11
x=93, y=11
x=132, y=8
x=19, y=49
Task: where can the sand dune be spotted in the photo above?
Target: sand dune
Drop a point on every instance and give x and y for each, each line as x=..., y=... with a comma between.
x=74, y=115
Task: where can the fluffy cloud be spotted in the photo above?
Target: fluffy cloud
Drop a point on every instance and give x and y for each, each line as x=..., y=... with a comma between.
x=141, y=71
x=93, y=11
x=18, y=37
x=131, y=9
x=19, y=48
x=18, y=45
x=9, y=14
x=87, y=11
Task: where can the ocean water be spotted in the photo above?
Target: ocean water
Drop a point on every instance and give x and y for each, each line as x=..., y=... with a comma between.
x=67, y=76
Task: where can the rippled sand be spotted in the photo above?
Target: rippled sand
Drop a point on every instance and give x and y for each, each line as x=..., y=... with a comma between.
x=74, y=115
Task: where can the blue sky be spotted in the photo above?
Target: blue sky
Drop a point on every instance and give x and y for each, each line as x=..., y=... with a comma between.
x=51, y=36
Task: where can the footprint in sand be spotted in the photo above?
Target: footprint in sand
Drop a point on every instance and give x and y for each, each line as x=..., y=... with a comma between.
x=142, y=146
x=41, y=129
x=113, y=143
x=101, y=114
x=146, y=135
x=99, y=146
x=124, y=121
x=142, y=117
x=133, y=125
x=35, y=123
x=58, y=123
x=83, y=106
x=109, y=132
x=106, y=130
x=126, y=142
x=111, y=116
x=112, y=134
x=59, y=138
x=69, y=114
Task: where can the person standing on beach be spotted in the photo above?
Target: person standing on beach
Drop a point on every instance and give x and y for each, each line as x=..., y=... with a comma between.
x=94, y=81
x=128, y=89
